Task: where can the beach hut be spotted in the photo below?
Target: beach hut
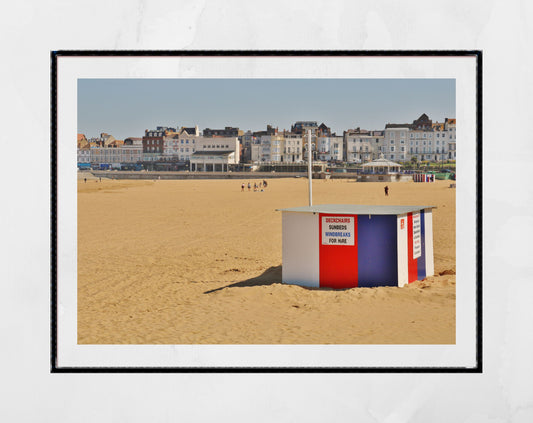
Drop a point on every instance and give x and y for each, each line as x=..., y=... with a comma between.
x=346, y=246
x=424, y=177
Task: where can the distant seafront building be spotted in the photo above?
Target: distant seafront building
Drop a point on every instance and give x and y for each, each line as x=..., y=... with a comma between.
x=301, y=128
x=247, y=140
x=154, y=142
x=330, y=148
x=132, y=150
x=84, y=150
x=361, y=145
x=395, y=141
x=180, y=145
x=293, y=148
x=450, y=127
x=215, y=154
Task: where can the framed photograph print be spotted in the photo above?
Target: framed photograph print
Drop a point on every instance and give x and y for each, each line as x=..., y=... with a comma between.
x=266, y=211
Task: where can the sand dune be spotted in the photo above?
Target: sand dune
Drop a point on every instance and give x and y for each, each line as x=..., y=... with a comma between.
x=199, y=262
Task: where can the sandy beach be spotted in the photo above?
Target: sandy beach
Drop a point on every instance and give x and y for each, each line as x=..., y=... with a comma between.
x=199, y=262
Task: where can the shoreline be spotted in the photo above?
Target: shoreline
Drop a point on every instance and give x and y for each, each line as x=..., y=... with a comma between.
x=184, y=175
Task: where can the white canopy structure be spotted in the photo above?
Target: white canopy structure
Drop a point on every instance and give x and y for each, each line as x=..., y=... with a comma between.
x=382, y=165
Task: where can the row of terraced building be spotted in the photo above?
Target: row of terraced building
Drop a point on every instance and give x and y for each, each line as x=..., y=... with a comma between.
x=220, y=149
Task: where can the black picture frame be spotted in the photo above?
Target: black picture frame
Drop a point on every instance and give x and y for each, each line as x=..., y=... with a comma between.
x=54, y=368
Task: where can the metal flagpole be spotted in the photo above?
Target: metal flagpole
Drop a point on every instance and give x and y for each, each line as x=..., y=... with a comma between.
x=309, y=167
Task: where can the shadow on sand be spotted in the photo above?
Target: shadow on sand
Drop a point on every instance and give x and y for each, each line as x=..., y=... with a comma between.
x=270, y=276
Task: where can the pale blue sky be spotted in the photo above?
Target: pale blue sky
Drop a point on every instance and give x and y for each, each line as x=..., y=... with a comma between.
x=126, y=107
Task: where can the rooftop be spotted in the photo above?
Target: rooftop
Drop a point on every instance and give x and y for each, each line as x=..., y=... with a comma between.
x=398, y=125
x=381, y=161
x=213, y=153
x=357, y=209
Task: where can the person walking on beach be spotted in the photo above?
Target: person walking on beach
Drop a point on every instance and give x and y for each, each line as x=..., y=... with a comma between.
x=249, y=186
x=264, y=183
x=255, y=186
x=242, y=187
x=85, y=180
x=386, y=190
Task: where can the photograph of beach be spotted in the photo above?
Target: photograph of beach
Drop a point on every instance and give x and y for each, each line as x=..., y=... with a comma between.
x=179, y=233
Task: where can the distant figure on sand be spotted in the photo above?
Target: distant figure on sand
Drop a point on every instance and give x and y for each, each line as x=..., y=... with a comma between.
x=85, y=180
x=386, y=190
x=242, y=187
x=255, y=186
x=249, y=186
x=264, y=183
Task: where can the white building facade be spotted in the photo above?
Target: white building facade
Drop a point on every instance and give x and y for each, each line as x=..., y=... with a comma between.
x=450, y=128
x=329, y=148
x=395, y=142
x=292, y=148
x=179, y=146
x=214, y=154
x=362, y=146
x=116, y=155
x=84, y=155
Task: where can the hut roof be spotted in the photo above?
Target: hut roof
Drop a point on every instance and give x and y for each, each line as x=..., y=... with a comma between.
x=357, y=209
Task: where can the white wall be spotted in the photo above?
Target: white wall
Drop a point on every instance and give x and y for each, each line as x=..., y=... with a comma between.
x=300, y=249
